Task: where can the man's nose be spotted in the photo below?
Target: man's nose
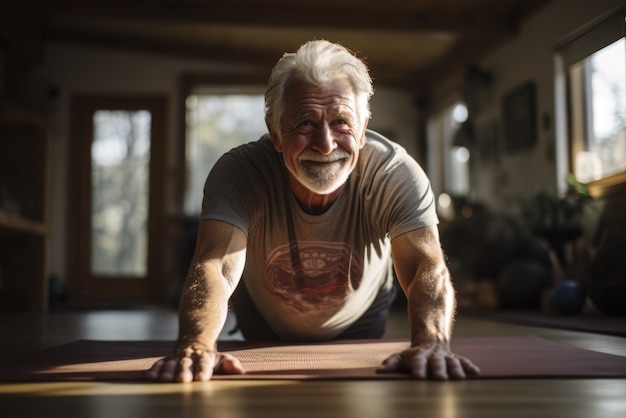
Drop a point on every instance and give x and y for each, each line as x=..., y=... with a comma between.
x=323, y=141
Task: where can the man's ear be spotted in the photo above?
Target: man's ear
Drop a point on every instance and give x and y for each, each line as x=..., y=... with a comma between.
x=275, y=139
x=362, y=140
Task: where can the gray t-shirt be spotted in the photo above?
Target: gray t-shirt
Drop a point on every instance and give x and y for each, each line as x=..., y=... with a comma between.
x=312, y=276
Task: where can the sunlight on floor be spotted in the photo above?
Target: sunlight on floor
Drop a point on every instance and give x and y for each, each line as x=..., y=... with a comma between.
x=105, y=388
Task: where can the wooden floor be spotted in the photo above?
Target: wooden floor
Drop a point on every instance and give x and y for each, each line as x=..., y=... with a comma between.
x=536, y=398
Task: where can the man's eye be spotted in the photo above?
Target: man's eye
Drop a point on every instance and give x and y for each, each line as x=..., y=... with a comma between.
x=343, y=123
x=306, y=124
x=343, y=120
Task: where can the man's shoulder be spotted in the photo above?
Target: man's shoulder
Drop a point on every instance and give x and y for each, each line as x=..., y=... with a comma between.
x=375, y=137
x=259, y=154
x=382, y=149
x=263, y=144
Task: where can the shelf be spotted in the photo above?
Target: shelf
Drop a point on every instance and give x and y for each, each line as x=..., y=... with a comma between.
x=24, y=169
x=21, y=224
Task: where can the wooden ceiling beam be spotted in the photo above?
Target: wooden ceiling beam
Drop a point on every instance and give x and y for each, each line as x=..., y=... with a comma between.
x=202, y=51
x=475, y=23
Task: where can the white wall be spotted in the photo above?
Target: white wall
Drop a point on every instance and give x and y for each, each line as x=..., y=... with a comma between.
x=74, y=69
x=394, y=114
x=528, y=56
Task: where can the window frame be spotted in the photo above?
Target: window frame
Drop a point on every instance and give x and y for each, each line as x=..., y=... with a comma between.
x=571, y=128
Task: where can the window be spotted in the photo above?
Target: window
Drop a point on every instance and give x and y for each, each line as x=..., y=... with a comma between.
x=120, y=180
x=448, y=154
x=217, y=120
x=592, y=68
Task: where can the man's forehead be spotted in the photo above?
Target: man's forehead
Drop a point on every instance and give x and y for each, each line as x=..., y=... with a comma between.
x=333, y=110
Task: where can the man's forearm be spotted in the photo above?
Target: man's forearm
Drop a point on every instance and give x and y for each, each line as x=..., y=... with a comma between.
x=431, y=305
x=203, y=308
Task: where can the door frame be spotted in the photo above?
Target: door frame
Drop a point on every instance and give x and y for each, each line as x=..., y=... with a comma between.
x=83, y=289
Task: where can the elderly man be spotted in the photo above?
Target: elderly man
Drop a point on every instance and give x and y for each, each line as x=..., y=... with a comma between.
x=301, y=230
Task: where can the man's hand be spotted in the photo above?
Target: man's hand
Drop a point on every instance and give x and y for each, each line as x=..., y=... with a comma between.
x=188, y=365
x=430, y=360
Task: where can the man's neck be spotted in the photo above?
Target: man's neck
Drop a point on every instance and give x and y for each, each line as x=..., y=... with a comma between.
x=311, y=202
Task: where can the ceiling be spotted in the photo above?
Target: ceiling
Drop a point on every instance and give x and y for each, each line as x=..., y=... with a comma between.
x=406, y=43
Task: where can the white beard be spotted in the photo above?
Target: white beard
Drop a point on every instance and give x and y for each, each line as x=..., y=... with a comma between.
x=323, y=174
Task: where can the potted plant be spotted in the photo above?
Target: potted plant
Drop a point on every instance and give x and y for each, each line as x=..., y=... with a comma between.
x=558, y=219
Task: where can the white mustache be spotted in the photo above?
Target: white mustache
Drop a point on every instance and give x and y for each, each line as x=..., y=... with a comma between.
x=336, y=155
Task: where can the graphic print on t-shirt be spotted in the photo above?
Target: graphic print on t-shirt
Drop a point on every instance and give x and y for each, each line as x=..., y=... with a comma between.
x=313, y=275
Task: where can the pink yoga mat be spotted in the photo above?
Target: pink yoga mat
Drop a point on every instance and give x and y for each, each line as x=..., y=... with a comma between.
x=498, y=357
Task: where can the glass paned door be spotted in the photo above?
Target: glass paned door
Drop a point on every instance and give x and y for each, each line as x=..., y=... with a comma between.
x=116, y=205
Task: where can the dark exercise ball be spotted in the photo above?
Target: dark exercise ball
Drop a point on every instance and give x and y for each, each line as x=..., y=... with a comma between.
x=521, y=284
x=493, y=258
x=533, y=248
x=567, y=297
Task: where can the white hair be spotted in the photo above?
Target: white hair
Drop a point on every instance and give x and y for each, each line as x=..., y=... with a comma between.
x=317, y=62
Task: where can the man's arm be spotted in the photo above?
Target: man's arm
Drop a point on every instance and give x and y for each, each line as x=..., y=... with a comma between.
x=213, y=275
x=424, y=278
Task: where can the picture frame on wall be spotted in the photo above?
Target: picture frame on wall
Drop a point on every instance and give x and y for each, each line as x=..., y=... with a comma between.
x=519, y=110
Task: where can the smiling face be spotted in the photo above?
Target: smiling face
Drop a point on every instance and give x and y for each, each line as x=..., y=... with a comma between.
x=320, y=137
